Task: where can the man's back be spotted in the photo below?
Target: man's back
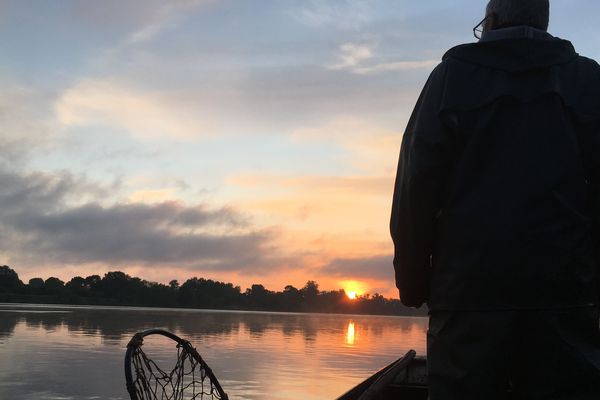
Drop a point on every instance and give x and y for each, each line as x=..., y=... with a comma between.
x=496, y=216
x=509, y=132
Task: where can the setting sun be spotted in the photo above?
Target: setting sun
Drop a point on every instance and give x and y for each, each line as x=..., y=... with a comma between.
x=353, y=289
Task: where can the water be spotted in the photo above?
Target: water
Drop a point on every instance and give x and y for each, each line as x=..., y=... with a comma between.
x=49, y=352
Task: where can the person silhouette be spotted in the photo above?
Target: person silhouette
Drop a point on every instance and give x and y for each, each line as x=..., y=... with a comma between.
x=495, y=216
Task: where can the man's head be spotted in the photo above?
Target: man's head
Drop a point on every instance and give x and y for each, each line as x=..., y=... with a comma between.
x=505, y=13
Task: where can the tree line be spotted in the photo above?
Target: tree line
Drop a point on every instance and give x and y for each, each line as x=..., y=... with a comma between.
x=119, y=289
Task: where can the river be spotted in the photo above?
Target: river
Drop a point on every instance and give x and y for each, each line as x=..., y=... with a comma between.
x=57, y=352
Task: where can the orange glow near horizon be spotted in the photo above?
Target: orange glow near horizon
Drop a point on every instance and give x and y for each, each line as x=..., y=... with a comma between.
x=351, y=295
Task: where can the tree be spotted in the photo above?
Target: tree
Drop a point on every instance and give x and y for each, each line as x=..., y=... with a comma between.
x=311, y=289
x=9, y=280
x=291, y=299
x=206, y=293
x=259, y=297
x=36, y=285
x=78, y=286
x=290, y=289
x=92, y=282
x=54, y=285
x=121, y=288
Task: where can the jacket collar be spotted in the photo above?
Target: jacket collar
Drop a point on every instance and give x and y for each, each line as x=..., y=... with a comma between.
x=514, y=49
x=515, y=32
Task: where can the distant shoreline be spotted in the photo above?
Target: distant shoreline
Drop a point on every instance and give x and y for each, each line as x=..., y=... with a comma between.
x=50, y=307
x=6, y=300
x=116, y=288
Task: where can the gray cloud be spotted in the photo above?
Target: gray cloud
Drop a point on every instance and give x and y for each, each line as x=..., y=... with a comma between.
x=376, y=267
x=52, y=219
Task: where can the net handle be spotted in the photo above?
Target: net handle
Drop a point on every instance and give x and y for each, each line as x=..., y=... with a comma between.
x=138, y=340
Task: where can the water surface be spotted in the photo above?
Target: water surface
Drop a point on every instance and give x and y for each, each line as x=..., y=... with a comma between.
x=49, y=352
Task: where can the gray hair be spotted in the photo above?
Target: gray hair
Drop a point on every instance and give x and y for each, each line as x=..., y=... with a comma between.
x=535, y=13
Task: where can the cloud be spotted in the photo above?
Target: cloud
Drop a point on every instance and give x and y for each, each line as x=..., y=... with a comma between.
x=143, y=114
x=49, y=219
x=26, y=122
x=153, y=195
x=330, y=217
x=349, y=185
x=165, y=15
x=340, y=14
x=369, y=147
x=351, y=55
x=136, y=20
x=379, y=267
x=351, y=206
x=395, y=66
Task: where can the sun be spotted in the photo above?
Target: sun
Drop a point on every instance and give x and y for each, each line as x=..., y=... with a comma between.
x=353, y=289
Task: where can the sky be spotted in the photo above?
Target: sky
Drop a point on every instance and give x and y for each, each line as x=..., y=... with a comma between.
x=242, y=141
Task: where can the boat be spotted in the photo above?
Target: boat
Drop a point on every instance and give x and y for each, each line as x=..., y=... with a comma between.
x=404, y=379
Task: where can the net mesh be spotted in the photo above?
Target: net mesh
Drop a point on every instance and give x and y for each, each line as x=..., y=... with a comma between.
x=189, y=379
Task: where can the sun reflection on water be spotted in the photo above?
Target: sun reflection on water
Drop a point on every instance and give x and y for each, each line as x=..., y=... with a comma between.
x=350, y=333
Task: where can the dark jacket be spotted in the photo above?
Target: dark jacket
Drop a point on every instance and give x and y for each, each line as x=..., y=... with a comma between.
x=497, y=195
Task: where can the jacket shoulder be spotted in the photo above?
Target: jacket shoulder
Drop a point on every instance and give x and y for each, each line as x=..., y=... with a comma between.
x=450, y=53
x=469, y=84
x=589, y=62
x=588, y=65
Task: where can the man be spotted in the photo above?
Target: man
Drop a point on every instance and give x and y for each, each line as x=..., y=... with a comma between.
x=496, y=213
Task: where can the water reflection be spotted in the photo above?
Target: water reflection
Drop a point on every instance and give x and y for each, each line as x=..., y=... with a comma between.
x=350, y=333
x=79, y=351
x=8, y=321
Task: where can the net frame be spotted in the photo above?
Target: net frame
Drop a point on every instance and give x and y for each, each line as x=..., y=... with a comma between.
x=190, y=373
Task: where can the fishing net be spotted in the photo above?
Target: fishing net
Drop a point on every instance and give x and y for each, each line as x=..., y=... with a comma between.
x=189, y=379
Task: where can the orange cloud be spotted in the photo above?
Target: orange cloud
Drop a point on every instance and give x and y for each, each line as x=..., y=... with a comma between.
x=330, y=217
x=371, y=148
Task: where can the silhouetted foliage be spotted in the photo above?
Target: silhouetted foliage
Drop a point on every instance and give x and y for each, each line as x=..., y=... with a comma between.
x=77, y=286
x=54, y=285
x=36, y=286
x=9, y=280
x=206, y=293
x=118, y=288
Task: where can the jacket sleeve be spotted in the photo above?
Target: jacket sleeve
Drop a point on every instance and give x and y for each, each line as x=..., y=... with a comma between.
x=418, y=193
x=594, y=195
x=590, y=147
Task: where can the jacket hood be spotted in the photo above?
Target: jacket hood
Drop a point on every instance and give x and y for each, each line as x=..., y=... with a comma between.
x=515, y=54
